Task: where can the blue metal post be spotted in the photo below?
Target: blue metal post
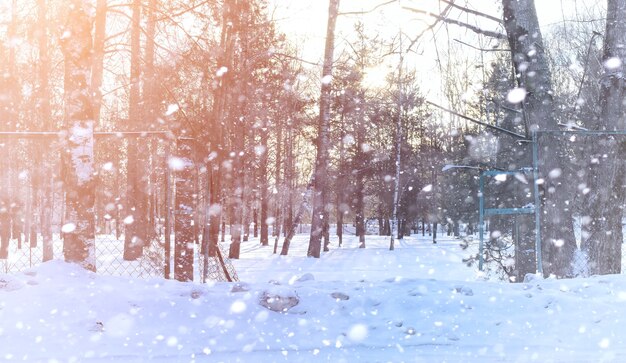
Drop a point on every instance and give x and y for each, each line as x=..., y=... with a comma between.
x=537, y=203
x=481, y=223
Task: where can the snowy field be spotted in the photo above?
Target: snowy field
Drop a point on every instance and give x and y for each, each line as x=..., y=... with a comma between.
x=419, y=303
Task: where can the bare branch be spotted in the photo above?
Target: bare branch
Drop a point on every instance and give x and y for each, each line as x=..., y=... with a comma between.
x=483, y=49
x=497, y=128
x=473, y=12
x=369, y=11
x=430, y=27
x=278, y=54
x=473, y=28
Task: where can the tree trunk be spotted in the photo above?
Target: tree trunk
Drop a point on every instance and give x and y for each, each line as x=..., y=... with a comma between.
x=183, y=226
x=263, y=189
x=398, y=156
x=79, y=242
x=298, y=218
x=217, y=137
x=321, y=161
x=289, y=179
x=255, y=222
x=150, y=117
x=531, y=63
x=136, y=233
x=341, y=177
x=359, y=192
x=602, y=232
x=43, y=106
x=97, y=66
x=278, y=184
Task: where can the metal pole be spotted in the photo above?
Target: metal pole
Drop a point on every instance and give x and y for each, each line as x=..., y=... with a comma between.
x=537, y=203
x=481, y=223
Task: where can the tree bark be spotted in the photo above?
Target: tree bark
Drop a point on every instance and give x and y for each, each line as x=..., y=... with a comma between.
x=298, y=218
x=263, y=189
x=97, y=66
x=183, y=226
x=44, y=112
x=136, y=233
x=79, y=242
x=531, y=64
x=602, y=232
x=321, y=162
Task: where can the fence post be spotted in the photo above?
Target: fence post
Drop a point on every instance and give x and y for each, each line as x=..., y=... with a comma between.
x=537, y=202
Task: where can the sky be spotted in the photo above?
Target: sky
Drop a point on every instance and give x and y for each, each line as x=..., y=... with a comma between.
x=305, y=23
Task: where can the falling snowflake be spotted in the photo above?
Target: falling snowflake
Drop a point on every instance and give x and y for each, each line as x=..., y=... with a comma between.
x=516, y=95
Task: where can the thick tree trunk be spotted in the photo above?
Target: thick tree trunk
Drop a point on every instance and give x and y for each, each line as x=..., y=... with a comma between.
x=79, y=242
x=320, y=196
x=217, y=151
x=531, y=63
x=602, y=232
x=136, y=234
x=183, y=226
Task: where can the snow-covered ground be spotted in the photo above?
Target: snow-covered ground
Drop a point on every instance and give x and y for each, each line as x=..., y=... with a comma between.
x=419, y=303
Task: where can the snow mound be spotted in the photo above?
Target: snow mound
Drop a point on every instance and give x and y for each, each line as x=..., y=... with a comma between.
x=279, y=299
x=9, y=283
x=306, y=277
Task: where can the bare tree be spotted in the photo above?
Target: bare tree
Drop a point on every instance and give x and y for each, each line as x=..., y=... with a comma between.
x=183, y=223
x=43, y=106
x=76, y=45
x=602, y=230
x=320, y=195
x=530, y=61
x=134, y=235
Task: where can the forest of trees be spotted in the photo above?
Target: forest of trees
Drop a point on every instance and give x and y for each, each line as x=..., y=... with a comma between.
x=261, y=140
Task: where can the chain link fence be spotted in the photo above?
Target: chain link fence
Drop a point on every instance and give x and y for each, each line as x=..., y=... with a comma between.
x=32, y=200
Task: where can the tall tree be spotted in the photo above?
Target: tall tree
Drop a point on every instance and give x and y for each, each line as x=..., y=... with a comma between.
x=217, y=138
x=76, y=44
x=136, y=234
x=531, y=64
x=602, y=230
x=398, y=154
x=320, y=196
x=97, y=68
x=44, y=112
x=183, y=223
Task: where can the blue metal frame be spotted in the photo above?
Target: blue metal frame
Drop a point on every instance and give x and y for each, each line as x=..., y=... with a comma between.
x=536, y=209
x=537, y=204
x=482, y=212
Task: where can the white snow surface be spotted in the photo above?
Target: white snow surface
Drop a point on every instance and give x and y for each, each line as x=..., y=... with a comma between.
x=419, y=303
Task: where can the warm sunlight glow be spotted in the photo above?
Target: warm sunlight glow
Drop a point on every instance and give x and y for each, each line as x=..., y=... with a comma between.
x=312, y=181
